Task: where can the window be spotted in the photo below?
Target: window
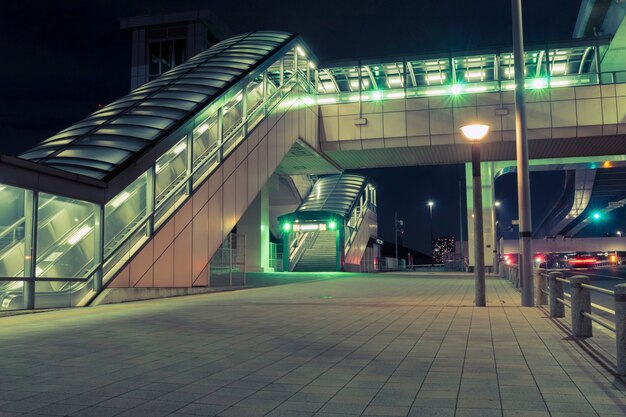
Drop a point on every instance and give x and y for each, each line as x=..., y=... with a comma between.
x=165, y=55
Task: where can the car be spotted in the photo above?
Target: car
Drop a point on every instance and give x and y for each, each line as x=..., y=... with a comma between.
x=583, y=260
x=550, y=260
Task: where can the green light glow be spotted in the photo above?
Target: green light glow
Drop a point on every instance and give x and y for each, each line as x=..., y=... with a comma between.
x=287, y=227
x=377, y=95
x=596, y=216
x=539, y=83
x=456, y=89
x=332, y=225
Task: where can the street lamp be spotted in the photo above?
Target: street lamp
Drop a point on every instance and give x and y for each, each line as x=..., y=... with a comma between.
x=432, y=253
x=475, y=133
x=496, y=235
x=521, y=152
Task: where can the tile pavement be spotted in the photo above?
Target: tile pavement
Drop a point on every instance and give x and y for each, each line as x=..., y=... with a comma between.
x=354, y=345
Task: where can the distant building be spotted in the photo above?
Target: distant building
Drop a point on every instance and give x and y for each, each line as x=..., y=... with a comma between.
x=441, y=247
x=162, y=42
x=410, y=255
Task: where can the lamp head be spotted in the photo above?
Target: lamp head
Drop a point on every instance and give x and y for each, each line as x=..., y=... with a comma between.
x=475, y=132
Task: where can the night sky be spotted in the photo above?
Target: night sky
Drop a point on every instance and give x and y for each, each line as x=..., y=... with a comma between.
x=64, y=58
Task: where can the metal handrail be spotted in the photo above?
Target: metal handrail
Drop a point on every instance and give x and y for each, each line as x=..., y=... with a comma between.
x=45, y=279
x=304, y=242
x=598, y=289
x=582, y=308
x=604, y=323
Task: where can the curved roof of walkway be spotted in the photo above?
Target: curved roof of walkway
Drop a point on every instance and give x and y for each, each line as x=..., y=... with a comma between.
x=102, y=144
x=334, y=194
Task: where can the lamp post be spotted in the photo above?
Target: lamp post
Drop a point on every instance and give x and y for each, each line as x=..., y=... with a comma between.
x=475, y=133
x=432, y=253
x=496, y=240
x=521, y=151
x=397, y=223
x=461, y=226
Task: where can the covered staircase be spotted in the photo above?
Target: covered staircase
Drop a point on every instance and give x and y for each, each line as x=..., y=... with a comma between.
x=321, y=255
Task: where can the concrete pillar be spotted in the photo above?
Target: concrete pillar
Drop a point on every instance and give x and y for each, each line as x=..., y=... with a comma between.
x=540, y=287
x=487, y=176
x=255, y=225
x=620, y=327
x=557, y=309
x=581, y=303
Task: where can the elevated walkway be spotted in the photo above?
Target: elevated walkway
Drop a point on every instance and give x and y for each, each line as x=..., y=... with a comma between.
x=143, y=192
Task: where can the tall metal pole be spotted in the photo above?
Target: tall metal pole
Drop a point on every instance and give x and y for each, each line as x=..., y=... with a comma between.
x=432, y=252
x=395, y=228
x=461, y=225
x=479, y=240
x=521, y=142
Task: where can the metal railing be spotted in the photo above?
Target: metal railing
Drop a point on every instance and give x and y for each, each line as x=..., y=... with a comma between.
x=298, y=246
x=549, y=290
x=276, y=257
x=227, y=267
x=510, y=272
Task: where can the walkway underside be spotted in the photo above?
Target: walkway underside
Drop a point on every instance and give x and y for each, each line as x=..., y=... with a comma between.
x=347, y=345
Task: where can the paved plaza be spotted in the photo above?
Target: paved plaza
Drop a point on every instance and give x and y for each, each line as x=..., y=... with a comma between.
x=349, y=345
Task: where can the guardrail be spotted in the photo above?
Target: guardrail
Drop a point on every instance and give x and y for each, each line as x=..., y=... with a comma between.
x=425, y=268
x=510, y=272
x=549, y=290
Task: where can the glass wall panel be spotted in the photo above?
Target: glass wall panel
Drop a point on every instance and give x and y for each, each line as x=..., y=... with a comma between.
x=430, y=72
x=11, y=245
x=124, y=213
x=122, y=254
x=11, y=231
x=289, y=64
x=65, y=239
x=164, y=211
x=233, y=113
x=254, y=94
x=171, y=170
x=273, y=78
x=472, y=69
x=303, y=62
x=205, y=140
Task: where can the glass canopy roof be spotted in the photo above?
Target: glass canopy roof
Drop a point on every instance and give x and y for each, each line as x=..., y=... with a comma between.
x=99, y=145
x=334, y=194
x=398, y=78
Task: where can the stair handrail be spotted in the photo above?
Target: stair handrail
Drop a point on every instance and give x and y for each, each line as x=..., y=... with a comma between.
x=303, y=242
x=360, y=215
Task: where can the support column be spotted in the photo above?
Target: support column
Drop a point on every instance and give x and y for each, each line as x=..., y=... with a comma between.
x=487, y=177
x=98, y=247
x=255, y=225
x=31, y=204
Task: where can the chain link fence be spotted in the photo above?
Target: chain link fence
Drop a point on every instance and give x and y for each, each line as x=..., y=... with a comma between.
x=228, y=266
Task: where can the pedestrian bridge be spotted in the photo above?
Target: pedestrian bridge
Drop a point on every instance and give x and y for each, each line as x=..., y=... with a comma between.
x=142, y=193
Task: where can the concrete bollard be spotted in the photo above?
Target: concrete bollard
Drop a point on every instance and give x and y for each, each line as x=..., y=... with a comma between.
x=620, y=327
x=581, y=303
x=556, y=291
x=540, y=287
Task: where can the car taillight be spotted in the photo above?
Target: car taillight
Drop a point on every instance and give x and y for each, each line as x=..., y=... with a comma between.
x=584, y=261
